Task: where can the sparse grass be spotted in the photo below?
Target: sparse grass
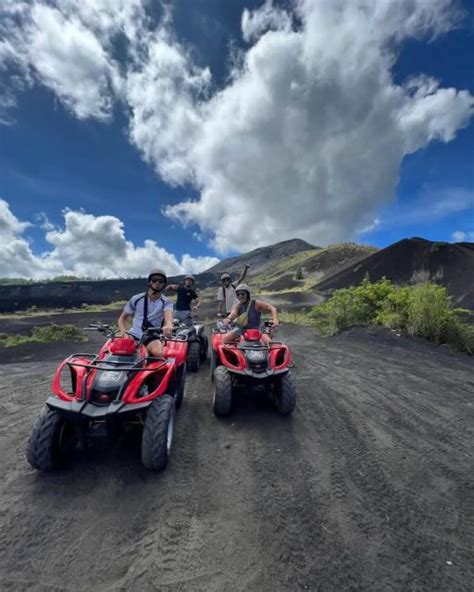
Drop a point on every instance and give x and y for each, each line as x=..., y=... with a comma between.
x=33, y=311
x=47, y=334
x=423, y=310
x=296, y=262
x=296, y=318
x=281, y=267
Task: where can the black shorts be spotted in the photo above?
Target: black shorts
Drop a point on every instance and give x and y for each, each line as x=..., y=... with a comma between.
x=147, y=340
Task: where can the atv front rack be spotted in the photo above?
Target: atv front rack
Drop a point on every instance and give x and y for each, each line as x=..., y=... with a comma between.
x=105, y=364
x=271, y=345
x=110, y=366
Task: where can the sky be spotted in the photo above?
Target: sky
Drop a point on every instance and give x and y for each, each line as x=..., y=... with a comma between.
x=141, y=133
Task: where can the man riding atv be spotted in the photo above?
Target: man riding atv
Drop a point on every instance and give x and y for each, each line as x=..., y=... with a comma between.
x=247, y=314
x=149, y=309
x=187, y=300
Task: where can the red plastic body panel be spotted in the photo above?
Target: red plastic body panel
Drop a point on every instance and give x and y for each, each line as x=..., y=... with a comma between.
x=157, y=373
x=177, y=350
x=123, y=346
x=233, y=358
x=252, y=335
x=160, y=371
x=78, y=372
x=280, y=357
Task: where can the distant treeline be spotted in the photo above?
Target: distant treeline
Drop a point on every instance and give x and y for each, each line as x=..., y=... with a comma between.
x=7, y=281
x=70, y=293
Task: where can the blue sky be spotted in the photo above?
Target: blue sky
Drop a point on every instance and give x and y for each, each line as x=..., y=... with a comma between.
x=136, y=136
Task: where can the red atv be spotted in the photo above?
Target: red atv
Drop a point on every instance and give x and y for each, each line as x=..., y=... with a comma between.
x=248, y=363
x=116, y=388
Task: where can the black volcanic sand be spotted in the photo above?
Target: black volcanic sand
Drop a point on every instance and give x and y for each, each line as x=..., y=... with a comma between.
x=294, y=301
x=368, y=486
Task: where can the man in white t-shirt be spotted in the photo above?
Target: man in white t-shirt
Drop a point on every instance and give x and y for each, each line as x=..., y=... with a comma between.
x=226, y=294
x=149, y=309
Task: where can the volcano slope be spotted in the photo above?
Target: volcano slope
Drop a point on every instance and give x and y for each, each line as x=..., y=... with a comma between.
x=368, y=486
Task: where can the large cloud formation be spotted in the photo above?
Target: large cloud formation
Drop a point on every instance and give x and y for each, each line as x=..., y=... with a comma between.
x=87, y=246
x=305, y=139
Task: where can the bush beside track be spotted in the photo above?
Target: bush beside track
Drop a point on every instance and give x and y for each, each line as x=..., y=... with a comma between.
x=45, y=334
x=423, y=310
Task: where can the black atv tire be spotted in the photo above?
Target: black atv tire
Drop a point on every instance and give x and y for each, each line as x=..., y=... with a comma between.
x=285, y=394
x=222, y=392
x=52, y=441
x=157, y=434
x=193, y=356
x=180, y=386
x=213, y=364
x=204, y=348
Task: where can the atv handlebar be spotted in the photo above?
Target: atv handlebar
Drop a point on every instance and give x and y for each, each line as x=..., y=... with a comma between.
x=111, y=333
x=221, y=327
x=101, y=328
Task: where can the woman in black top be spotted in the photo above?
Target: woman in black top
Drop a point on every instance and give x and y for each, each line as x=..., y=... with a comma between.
x=186, y=301
x=246, y=313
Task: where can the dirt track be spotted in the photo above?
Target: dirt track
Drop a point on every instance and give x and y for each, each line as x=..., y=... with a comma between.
x=368, y=486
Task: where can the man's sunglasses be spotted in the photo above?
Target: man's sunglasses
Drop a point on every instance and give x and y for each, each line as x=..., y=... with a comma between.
x=157, y=281
x=241, y=293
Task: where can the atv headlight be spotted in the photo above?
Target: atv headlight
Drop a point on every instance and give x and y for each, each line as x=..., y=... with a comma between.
x=256, y=356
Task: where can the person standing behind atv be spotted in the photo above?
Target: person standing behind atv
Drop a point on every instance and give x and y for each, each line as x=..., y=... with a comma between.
x=149, y=309
x=186, y=301
x=247, y=314
x=226, y=294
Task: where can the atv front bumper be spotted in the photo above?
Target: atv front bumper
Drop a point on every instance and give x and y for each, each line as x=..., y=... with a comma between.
x=82, y=410
x=264, y=375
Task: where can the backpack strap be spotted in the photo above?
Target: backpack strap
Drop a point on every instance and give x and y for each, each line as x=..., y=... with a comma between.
x=145, y=323
x=145, y=313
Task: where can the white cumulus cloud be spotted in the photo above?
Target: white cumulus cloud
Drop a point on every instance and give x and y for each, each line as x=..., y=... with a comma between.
x=68, y=58
x=305, y=138
x=461, y=236
x=87, y=246
x=256, y=22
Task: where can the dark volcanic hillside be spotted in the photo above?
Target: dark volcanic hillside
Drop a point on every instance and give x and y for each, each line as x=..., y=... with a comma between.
x=81, y=292
x=315, y=265
x=414, y=260
x=293, y=264
x=262, y=257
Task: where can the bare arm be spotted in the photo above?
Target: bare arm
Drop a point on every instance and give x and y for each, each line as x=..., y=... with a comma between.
x=196, y=303
x=168, y=324
x=172, y=288
x=244, y=273
x=122, y=322
x=234, y=313
x=262, y=306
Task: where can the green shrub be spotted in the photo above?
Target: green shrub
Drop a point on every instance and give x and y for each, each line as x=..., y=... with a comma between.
x=45, y=334
x=430, y=315
x=393, y=310
x=423, y=310
x=348, y=307
x=429, y=312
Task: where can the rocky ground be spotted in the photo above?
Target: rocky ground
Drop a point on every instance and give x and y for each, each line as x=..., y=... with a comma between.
x=368, y=486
